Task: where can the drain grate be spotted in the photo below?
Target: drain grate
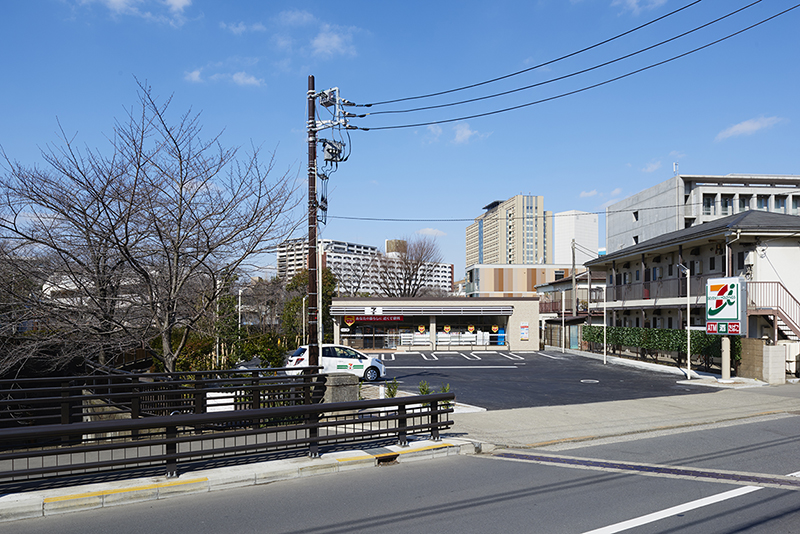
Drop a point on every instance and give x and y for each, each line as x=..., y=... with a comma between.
x=749, y=479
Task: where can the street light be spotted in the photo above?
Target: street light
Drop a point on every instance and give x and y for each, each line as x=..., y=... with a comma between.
x=686, y=270
x=563, y=311
x=605, y=324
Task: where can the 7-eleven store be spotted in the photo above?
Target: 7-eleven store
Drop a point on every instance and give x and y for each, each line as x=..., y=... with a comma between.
x=456, y=323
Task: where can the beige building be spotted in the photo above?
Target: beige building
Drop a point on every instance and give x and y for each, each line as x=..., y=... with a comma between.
x=499, y=281
x=512, y=232
x=455, y=323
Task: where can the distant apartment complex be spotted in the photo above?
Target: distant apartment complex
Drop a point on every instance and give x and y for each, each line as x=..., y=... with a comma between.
x=356, y=266
x=511, y=232
x=685, y=201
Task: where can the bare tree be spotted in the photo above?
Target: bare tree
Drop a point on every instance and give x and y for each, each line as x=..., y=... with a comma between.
x=407, y=273
x=353, y=274
x=145, y=240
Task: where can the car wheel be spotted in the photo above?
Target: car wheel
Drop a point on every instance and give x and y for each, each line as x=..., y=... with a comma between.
x=371, y=374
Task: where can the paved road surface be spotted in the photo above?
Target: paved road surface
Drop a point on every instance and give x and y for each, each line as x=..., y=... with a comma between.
x=498, y=380
x=488, y=494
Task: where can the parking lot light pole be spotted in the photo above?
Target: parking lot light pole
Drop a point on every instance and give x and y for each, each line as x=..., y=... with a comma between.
x=688, y=321
x=563, y=312
x=605, y=324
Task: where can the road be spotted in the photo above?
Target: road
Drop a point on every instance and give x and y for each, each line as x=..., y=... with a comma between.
x=498, y=380
x=487, y=494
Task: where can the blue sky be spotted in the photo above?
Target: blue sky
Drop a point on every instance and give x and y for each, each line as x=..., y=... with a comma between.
x=731, y=108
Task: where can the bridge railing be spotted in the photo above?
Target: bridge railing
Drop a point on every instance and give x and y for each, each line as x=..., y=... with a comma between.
x=46, y=451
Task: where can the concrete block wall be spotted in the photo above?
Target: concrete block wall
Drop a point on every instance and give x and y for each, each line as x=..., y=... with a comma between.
x=762, y=362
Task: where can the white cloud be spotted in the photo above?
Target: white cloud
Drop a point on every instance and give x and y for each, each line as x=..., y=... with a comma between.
x=637, y=6
x=434, y=133
x=193, y=76
x=463, y=133
x=676, y=154
x=295, y=18
x=616, y=192
x=152, y=10
x=431, y=231
x=242, y=78
x=749, y=127
x=240, y=27
x=177, y=6
x=652, y=166
x=333, y=41
x=585, y=194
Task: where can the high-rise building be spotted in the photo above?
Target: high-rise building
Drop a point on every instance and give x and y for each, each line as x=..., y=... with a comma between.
x=512, y=232
x=580, y=226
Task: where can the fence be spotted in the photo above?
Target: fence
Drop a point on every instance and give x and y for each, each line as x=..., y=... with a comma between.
x=66, y=400
x=35, y=452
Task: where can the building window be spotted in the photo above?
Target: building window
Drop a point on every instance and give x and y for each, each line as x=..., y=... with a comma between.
x=726, y=206
x=669, y=322
x=780, y=205
x=712, y=263
x=744, y=203
x=669, y=270
x=635, y=215
x=708, y=205
x=636, y=240
x=762, y=202
x=637, y=275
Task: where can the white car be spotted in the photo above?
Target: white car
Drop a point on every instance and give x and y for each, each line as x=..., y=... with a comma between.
x=340, y=359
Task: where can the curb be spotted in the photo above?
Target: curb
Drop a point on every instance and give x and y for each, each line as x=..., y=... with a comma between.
x=92, y=496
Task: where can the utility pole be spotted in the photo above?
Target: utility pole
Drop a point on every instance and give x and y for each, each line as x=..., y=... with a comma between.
x=313, y=346
x=574, y=284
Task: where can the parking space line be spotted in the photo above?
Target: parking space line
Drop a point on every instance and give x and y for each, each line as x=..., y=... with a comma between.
x=471, y=356
x=548, y=356
x=511, y=356
x=426, y=356
x=388, y=357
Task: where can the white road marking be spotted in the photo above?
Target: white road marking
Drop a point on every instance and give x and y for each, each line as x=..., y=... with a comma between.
x=548, y=356
x=511, y=356
x=675, y=510
x=388, y=357
x=429, y=357
x=471, y=356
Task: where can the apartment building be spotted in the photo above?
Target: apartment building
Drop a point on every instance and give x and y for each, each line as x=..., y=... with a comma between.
x=516, y=231
x=356, y=266
x=685, y=201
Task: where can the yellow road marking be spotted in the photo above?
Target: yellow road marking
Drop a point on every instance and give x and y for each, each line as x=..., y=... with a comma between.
x=125, y=490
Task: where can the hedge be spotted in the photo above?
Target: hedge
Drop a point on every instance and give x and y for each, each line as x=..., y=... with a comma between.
x=662, y=340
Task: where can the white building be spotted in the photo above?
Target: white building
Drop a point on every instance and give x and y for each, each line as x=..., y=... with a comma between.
x=356, y=266
x=685, y=201
x=580, y=226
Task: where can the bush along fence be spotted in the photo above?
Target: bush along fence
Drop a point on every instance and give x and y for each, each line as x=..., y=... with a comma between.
x=656, y=341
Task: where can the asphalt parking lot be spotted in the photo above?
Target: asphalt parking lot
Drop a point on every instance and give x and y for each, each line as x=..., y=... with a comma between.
x=498, y=380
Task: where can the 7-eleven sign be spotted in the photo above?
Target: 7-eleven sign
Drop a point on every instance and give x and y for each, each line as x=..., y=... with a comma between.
x=725, y=306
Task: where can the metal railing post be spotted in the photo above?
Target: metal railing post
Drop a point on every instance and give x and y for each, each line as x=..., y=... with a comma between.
x=402, y=425
x=435, y=421
x=171, y=449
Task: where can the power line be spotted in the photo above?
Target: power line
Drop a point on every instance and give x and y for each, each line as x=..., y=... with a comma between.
x=566, y=76
x=523, y=217
x=583, y=89
x=530, y=68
